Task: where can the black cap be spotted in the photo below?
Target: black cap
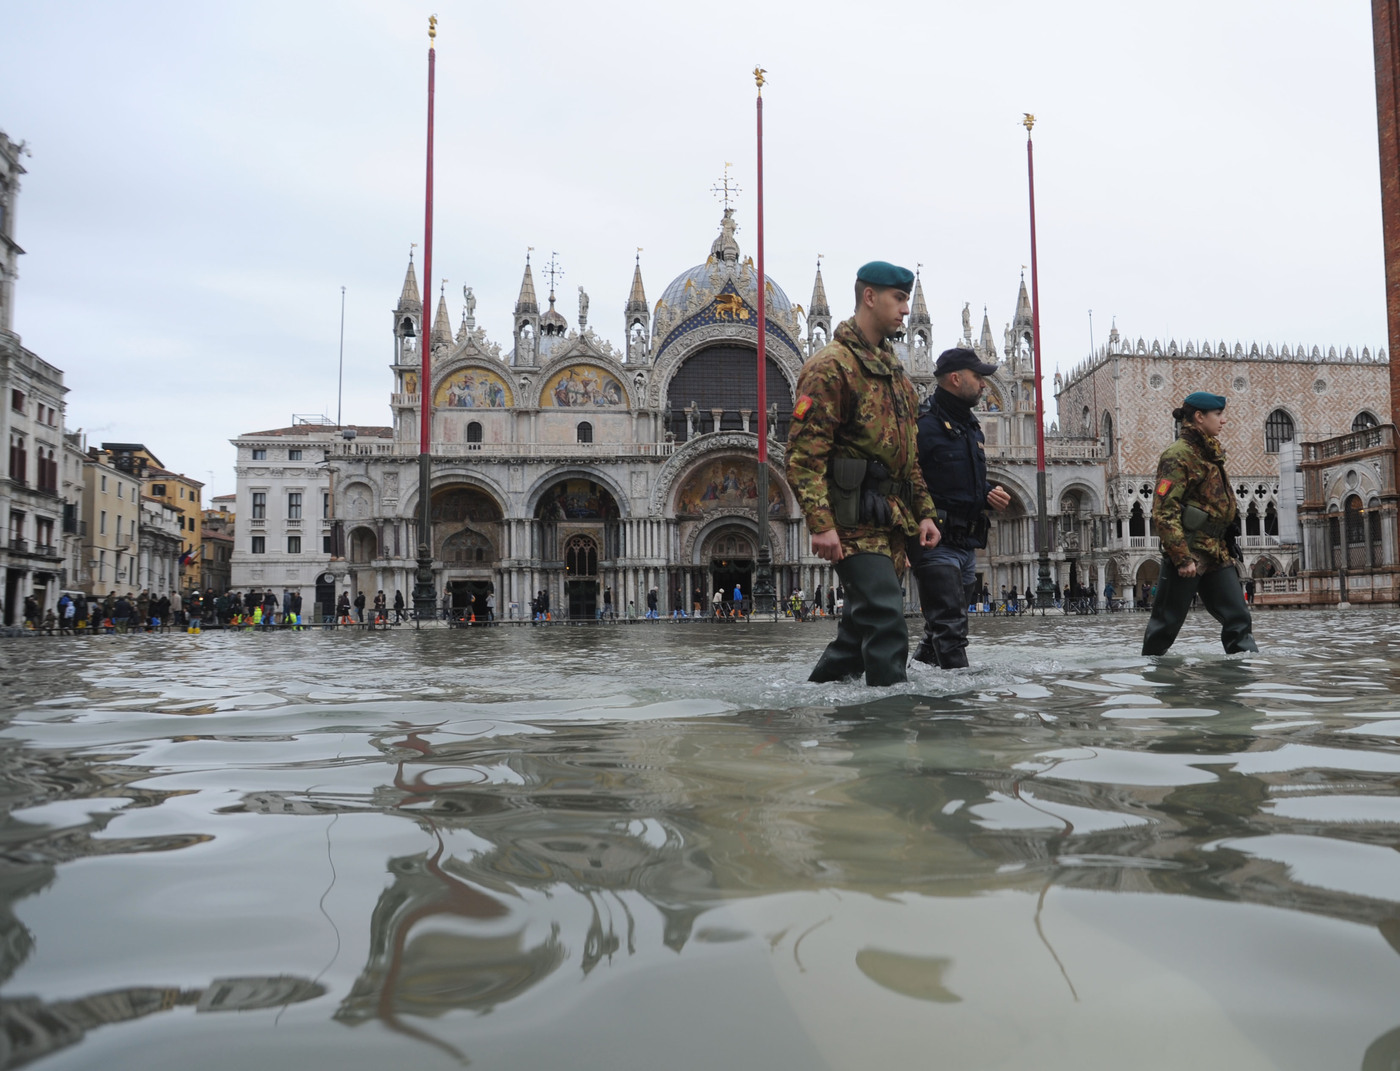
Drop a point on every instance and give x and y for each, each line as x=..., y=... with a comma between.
x=957, y=359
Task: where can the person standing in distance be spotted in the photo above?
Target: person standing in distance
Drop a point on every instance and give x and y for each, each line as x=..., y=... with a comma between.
x=1195, y=513
x=852, y=462
x=954, y=463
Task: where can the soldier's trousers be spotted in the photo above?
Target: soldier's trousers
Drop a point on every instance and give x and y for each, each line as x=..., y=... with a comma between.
x=1219, y=591
x=871, y=637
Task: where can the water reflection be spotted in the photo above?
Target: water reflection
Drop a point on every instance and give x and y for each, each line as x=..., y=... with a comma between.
x=1041, y=815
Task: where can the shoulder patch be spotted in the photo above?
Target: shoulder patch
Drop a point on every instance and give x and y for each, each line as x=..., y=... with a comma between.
x=1163, y=486
x=802, y=408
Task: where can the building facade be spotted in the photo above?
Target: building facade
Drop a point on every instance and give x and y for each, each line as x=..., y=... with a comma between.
x=174, y=489
x=596, y=472
x=1281, y=401
x=31, y=424
x=217, y=544
x=282, y=512
x=112, y=504
x=161, y=547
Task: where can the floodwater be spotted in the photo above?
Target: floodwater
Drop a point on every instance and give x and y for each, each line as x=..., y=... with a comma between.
x=658, y=846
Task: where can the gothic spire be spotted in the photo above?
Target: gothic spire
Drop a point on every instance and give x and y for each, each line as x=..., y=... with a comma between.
x=918, y=313
x=985, y=343
x=409, y=297
x=442, y=321
x=1023, y=304
x=818, y=306
x=637, y=300
x=527, y=302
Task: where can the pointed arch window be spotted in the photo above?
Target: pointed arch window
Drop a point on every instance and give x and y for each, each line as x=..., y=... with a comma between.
x=1364, y=419
x=1107, y=424
x=1137, y=523
x=1278, y=429
x=581, y=556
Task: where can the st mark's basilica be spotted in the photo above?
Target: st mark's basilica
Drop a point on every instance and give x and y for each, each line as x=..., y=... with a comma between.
x=572, y=466
x=595, y=471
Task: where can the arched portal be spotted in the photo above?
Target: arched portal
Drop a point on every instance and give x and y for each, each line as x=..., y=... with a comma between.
x=581, y=576
x=467, y=539
x=728, y=556
x=722, y=381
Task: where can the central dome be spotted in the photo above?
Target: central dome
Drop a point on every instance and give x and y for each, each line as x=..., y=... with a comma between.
x=723, y=266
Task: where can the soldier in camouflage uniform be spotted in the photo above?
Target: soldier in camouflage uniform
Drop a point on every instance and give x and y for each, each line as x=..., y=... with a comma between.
x=1196, y=518
x=852, y=462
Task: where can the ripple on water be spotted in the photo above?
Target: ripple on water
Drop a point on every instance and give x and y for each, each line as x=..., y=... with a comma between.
x=571, y=827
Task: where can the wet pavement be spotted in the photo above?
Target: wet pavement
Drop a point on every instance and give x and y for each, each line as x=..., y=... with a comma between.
x=659, y=846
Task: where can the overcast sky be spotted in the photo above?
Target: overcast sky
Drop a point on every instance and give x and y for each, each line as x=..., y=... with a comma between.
x=205, y=178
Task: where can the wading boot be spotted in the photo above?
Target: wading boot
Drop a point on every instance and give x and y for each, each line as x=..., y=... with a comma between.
x=1224, y=599
x=875, y=617
x=944, y=598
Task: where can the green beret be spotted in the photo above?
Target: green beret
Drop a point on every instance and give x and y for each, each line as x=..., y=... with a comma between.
x=883, y=273
x=1205, y=401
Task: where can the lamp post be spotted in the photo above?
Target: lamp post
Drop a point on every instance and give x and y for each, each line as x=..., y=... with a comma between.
x=1044, y=589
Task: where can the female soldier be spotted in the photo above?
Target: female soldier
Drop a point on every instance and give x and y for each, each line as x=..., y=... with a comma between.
x=1194, y=510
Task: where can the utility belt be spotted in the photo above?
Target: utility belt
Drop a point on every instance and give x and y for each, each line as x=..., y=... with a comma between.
x=1197, y=522
x=962, y=530
x=859, y=491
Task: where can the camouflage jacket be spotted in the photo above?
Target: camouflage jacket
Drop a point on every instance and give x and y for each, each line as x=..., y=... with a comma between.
x=1191, y=472
x=855, y=401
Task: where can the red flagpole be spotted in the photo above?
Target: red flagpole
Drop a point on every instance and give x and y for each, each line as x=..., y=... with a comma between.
x=424, y=588
x=424, y=379
x=1044, y=588
x=762, y=305
x=763, y=589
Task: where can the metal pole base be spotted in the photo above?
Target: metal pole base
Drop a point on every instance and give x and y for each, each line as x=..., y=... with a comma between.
x=764, y=594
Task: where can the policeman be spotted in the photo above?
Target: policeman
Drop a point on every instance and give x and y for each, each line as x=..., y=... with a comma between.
x=954, y=462
x=1196, y=518
x=852, y=462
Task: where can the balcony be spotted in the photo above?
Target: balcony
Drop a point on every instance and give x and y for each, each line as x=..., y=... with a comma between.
x=404, y=399
x=1377, y=438
x=19, y=545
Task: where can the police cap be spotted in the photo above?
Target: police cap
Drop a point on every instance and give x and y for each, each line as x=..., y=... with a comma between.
x=1205, y=401
x=883, y=273
x=956, y=360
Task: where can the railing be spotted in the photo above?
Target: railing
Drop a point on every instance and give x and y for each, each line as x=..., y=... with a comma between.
x=1054, y=451
x=19, y=545
x=46, y=550
x=1278, y=585
x=1381, y=437
x=404, y=399
x=1253, y=542
x=570, y=449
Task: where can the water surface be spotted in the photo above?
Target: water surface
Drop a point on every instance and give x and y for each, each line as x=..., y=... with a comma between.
x=659, y=846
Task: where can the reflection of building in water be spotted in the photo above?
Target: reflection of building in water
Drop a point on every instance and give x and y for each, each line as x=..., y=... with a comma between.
x=31, y=1028
x=650, y=828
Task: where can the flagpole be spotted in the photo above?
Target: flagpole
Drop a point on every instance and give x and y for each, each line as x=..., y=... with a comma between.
x=1044, y=589
x=763, y=591
x=424, y=592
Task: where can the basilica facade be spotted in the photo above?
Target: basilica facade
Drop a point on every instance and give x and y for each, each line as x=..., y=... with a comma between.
x=597, y=472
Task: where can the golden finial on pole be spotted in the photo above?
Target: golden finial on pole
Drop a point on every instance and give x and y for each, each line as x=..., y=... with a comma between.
x=758, y=73
x=1028, y=122
x=432, y=30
